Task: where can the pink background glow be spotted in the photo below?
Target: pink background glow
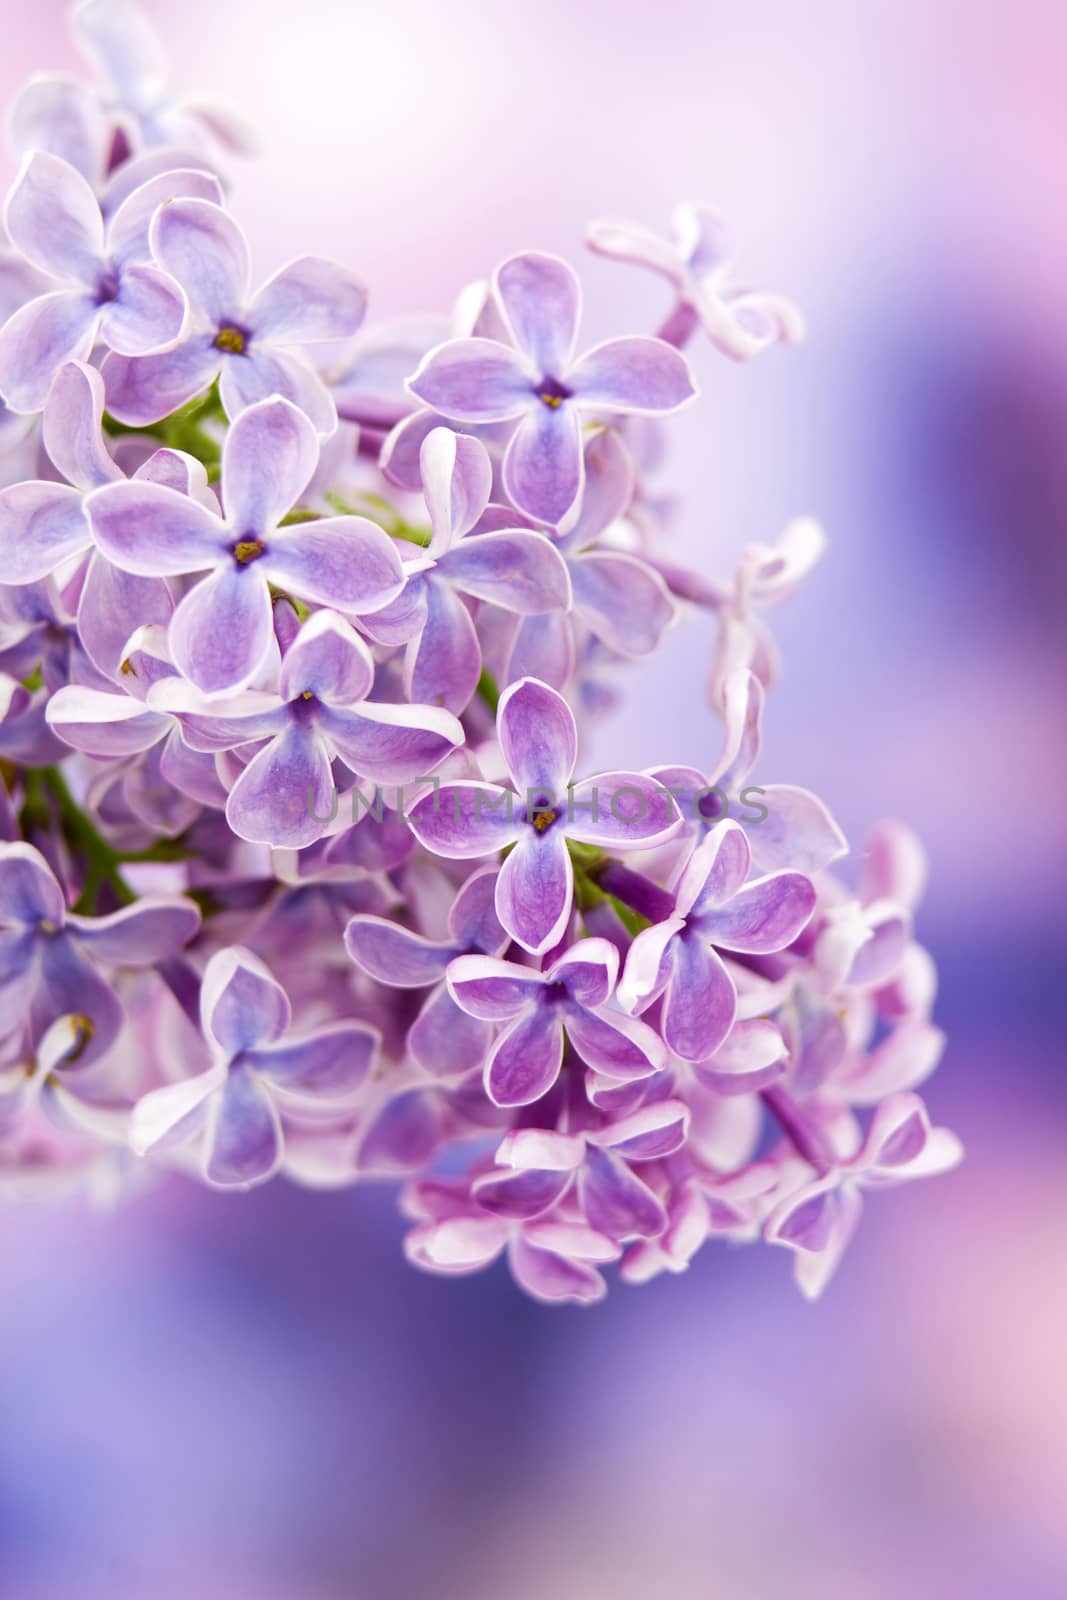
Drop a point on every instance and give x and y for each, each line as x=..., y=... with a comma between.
x=227, y=1399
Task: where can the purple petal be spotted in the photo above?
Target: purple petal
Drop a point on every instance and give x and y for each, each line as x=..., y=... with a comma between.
x=525, y=1061
x=329, y=660
x=71, y=428
x=535, y=890
x=615, y=1201
x=20, y=972
x=493, y=990
x=648, y=965
x=123, y=47
x=284, y=797
x=41, y=526
x=143, y=389
x=403, y=1137
x=270, y=454
x=647, y=1135
x=265, y=371
x=543, y=647
x=201, y=246
x=241, y=1005
x=105, y=725
x=139, y=935
x=147, y=315
x=520, y=571
x=715, y=871
x=394, y=955
x=538, y=737
x=346, y=562
x=519, y=1194
x=244, y=1146
x=446, y=1042
x=465, y=820
x=553, y=1278
x=541, y=299
x=64, y=117
x=404, y=618
x=764, y=916
x=616, y=1045
x=169, y=1115
x=701, y=1002
x=622, y=601
x=29, y=893
x=110, y=598
x=621, y=810
x=128, y=230
x=588, y=970
x=39, y=339
x=444, y=662
x=53, y=219
x=629, y=241
x=543, y=468
x=332, y=1062
x=457, y=479
x=70, y=986
x=152, y=531
x=389, y=743
x=221, y=633
x=472, y=921
x=750, y=1058
x=798, y=831
x=473, y=380
x=632, y=374
x=307, y=302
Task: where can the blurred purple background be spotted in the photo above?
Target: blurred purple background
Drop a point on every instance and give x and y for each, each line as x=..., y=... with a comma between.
x=255, y=1399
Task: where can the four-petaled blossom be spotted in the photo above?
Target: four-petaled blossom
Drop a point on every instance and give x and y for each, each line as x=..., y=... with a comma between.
x=50, y=958
x=715, y=908
x=539, y=742
x=573, y=994
x=538, y=384
x=514, y=568
x=444, y=1039
x=818, y=1218
x=246, y=342
x=285, y=795
x=235, y=1107
x=221, y=632
x=740, y=322
x=120, y=296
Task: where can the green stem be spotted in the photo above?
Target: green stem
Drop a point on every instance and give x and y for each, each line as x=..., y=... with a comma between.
x=102, y=862
x=487, y=690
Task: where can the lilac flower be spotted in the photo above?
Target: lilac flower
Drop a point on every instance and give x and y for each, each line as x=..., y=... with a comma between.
x=572, y=994
x=715, y=908
x=818, y=1218
x=235, y=1108
x=796, y=830
x=444, y=1039
x=739, y=322
x=221, y=632
x=118, y=295
x=120, y=42
x=284, y=796
x=514, y=568
x=539, y=741
x=246, y=342
x=537, y=383
x=49, y=956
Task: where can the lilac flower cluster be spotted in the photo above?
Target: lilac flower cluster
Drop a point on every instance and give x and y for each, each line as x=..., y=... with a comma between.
x=299, y=625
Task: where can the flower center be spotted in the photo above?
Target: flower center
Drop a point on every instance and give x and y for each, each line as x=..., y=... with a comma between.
x=552, y=393
x=542, y=814
x=232, y=340
x=248, y=550
x=107, y=288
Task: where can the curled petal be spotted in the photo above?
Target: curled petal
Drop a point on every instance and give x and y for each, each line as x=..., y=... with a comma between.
x=71, y=428
x=493, y=990
x=128, y=230
x=148, y=314
x=394, y=955
x=519, y=1194
x=166, y=1114
x=242, y=1007
x=328, y=659
x=616, y=1202
x=345, y=562
x=244, y=1142
x=620, y=1047
x=391, y=744
x=715, y=872
x=284, y=797
x=143, y=389
x=646, y=1135
x=104, y=725
x=554, y=1278
x=29, y=893
x=457, y=479
x=53, y=219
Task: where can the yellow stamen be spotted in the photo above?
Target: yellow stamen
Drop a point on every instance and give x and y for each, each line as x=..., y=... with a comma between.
x=246, y=550
x=553, y=401
x=232, y=340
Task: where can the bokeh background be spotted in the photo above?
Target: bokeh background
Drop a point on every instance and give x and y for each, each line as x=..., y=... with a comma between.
x=255, y=1399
